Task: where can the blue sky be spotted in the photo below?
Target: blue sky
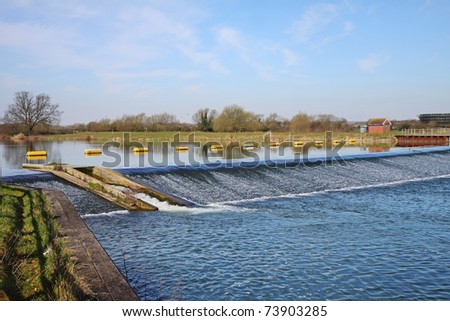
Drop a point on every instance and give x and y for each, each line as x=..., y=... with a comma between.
x=351, y=58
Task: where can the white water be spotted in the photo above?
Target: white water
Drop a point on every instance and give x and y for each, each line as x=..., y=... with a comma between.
x=343, y=189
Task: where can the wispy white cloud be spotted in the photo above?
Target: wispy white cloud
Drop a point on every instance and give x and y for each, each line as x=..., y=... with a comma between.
x=14, y=82
x=313, y=20
x=229, y=36
x=135, y=42
x=20, y=3
x=349, y=5
x=195, y=89
x=255, y=53
x=372, y=62
x=81, y=11
x=290, y=57
x=156, y=33
x=348, y=28
x=139, y=38
x=49, y=45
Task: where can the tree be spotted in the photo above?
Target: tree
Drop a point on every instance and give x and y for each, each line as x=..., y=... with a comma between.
x=162, y=122
x=31, y=111
x=204, y=118
x=235, y=119
x=274, y=122
x=301, y=123
x=327, y=122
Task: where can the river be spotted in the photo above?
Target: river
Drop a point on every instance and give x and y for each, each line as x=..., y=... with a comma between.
x=358, y=229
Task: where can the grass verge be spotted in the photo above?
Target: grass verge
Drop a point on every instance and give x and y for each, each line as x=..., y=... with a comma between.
x=34, y=263
x=203, y=137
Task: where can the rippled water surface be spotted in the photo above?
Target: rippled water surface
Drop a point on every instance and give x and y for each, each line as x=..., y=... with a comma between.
x=362, y=229
x=376, y=230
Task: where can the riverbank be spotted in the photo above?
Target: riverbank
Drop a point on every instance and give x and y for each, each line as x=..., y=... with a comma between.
x=204, y=137
x=48, y=253
x=35, y=264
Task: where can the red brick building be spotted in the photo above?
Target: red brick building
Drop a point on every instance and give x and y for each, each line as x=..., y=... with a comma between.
x=378, y=126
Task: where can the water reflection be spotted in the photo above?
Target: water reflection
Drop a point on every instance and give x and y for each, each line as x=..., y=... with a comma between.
x=121, y=154
x=13, y=154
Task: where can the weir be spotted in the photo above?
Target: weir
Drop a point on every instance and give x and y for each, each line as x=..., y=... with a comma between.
x=290, y=179
x=110, y=185
x=224, y=183
x=423, y=137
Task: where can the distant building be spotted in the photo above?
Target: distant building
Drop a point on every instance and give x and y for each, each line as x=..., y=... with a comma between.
x=378, y=126
x=438, y=118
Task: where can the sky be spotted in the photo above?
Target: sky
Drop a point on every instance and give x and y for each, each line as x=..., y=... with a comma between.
x=351, y=58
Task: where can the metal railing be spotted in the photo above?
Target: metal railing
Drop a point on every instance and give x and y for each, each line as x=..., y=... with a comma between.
x=426, y=132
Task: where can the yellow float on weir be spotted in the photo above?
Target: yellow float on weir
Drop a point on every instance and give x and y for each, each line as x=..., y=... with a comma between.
x=37, y=153
x=299, y=144
x=138, y=150
x=216, y=148
x=93, y=152
x=181, y=148
x=32, y=158
x=248, y=146
x=274, y=144
x=352, y=141
x=318, y=143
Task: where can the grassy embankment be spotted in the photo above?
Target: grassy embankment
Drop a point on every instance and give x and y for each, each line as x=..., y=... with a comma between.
x=34, y=264
x=203, y=137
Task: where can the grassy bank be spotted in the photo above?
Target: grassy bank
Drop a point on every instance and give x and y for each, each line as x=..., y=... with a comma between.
x=34, y=264
x=203, y=137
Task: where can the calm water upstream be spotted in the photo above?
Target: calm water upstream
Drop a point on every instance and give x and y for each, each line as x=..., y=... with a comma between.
x=13, y=155
x=367, y=229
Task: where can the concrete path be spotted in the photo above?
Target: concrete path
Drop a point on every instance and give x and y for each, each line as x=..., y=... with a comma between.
x=96, y=269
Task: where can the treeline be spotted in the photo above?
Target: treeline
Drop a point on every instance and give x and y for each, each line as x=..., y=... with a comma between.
x=134, y=123
x=38, y=115
x=233, y=118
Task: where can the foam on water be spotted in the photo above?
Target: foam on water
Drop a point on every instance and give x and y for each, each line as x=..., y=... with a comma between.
x=230, y=185
x=212, y=188
x=372, y=229
x=166, y=207
x=110, y=214
x=387, y=243
x=344, y=189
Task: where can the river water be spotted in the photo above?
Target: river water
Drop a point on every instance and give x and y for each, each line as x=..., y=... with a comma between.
x=361, y=229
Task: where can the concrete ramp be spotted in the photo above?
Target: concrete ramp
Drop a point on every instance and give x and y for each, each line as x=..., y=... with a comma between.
x=115, y=178
x=109, y=184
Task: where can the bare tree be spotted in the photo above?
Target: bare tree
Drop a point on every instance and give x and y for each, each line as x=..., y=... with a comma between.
x=31, y=111
x=275, y=122
x=204, y=118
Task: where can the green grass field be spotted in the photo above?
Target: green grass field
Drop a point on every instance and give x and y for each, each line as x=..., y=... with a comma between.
x=203, y=137
x=34, y=265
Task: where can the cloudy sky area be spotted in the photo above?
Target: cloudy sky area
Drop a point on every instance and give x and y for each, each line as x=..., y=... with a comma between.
x=351, y=58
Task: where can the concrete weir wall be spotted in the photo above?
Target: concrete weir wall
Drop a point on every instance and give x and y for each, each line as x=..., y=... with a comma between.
x=98, y=272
